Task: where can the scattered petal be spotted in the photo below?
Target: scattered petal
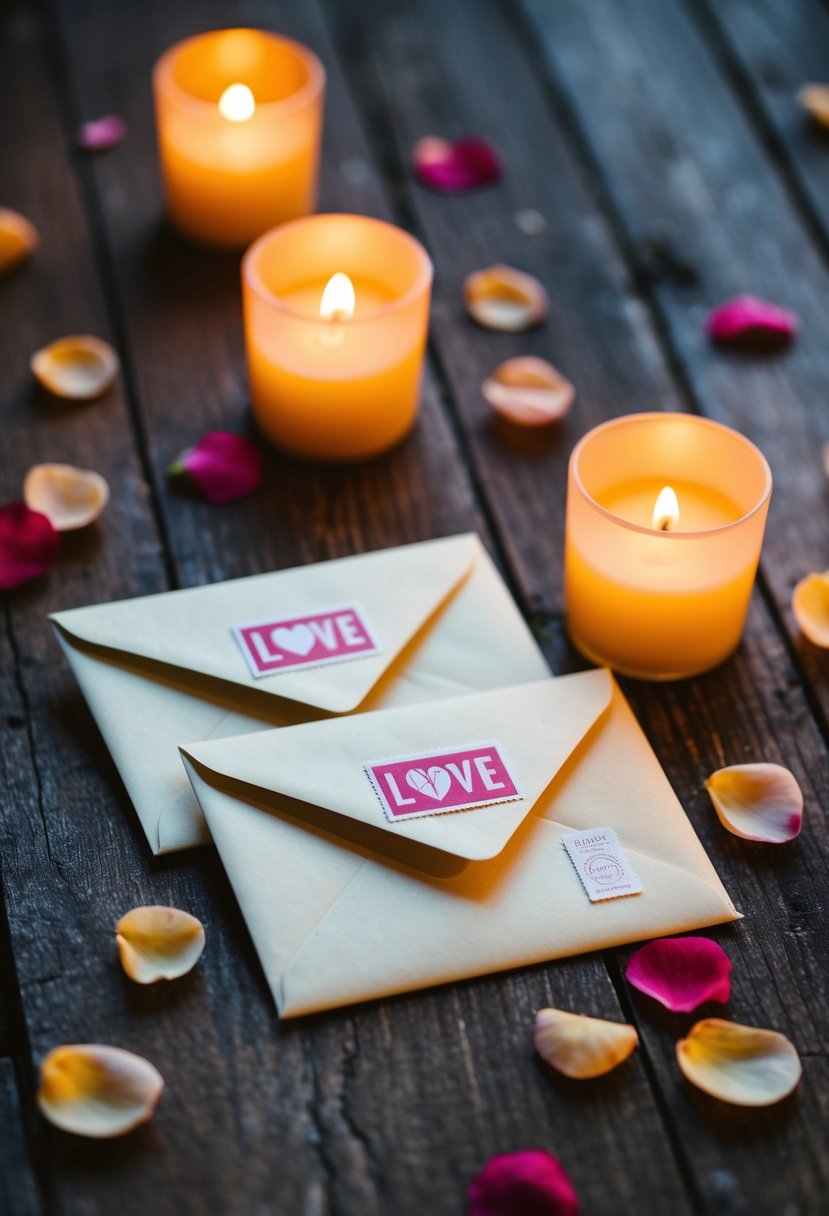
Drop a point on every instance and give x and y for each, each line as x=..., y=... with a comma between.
x=531, y=1183
x=681, y=972
x=28, y=545
x=70, y=498
x=528, y=391
x=78, y=368
x=222, y=466
x=453, y=168
x=739, y=1064
x=815, y=99
x=102, y=133
x=810, y=605
x=751, y=322
x=757, y=801
x=579, y=1046
x=158, y=943
x=98, y=1091
x=18, y=237
x=505, y=299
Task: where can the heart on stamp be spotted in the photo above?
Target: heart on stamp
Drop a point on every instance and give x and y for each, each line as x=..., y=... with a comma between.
x=297, y=640
x=434, y=782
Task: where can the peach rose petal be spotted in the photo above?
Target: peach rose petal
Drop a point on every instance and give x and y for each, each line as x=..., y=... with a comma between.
x=78, y=368
x=757, y=801
x=681, y=972
x=97, y=1091
x=739, y=1064
x=18, y=238
x=505, y=299
x=528, y=391
x=810, y=606
x=70, y=498
x=579, y=1046
x=815, y=100
x=158, y=943
x=529, y=1183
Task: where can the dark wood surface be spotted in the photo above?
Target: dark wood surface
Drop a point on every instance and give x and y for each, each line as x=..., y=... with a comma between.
x=659, y=144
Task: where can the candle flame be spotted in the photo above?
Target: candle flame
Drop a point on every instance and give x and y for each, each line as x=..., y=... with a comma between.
x=237, y=103
x=666, y=510
x=337, y=302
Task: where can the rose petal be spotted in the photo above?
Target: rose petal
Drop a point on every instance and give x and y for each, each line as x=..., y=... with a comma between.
x=810, y=606
x=531, y=1183
x=681, y=972
x=158, y=943
x=70, y=498
x=579, y=1046
x=18, y=237
x=222, y=466
x=78, y=367
x=505, y=299
x=528, y=391
x=739, y=1064
x=28, y=545
x=102, y=133
x=98, y=1091
x=815, y=99
x=454, y=168
x=757, y=801
x=751, y=322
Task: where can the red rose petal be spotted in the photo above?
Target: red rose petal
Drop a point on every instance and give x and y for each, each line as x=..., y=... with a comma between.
x=223, y=466
x=681, y=972
x=102, y=133
x=749, y=321
x=28, y=545
x=531, y=1183
x=453, y=168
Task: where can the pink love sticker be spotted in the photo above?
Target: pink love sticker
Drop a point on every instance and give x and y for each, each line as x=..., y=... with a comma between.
x=431, y=784
x=331, y=635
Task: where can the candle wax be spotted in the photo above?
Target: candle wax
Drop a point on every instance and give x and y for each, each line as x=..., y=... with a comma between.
x=700, y=507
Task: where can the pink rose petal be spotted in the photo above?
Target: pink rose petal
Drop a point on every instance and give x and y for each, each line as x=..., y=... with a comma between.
x=28, y=545
x=222, y=466
x=531, y=1183
x=453, y=168
x=681, y=972
x=102, y=133
x=749, y=321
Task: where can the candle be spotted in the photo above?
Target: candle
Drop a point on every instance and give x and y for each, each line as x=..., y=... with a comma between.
x=665, y=520
x=336, y=314
x=239, y=115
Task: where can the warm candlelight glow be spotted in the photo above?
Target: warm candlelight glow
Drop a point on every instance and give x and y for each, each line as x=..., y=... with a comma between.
x=237, y=103
x=666, y=511
x=337, y=302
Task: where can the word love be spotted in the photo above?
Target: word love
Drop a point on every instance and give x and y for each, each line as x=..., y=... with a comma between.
x=286, y=644
x=411, y=786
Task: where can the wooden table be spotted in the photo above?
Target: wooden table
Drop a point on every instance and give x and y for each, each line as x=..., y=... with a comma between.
x=656, y=163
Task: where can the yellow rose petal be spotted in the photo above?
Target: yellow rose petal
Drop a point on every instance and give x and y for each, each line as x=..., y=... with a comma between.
x=580, y=1046
x=810, y=605
x=505, y=299
x=815, y=99
x=757, y=801
x=78, y=367
x=158, y=943
x=18, y=238
x=528, y=391
x=70, y=498
x=739, y=1064
x=98, y=1091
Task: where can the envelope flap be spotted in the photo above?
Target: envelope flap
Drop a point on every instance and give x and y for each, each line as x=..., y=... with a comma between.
x=374, y=603
x=518, y=738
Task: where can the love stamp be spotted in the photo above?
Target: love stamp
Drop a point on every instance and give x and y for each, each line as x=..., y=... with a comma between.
x=432, y=783
x=331, y=635
x=601, y=865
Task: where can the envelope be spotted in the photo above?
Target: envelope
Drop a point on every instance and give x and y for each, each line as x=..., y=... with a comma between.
x=346, y=904
x=400, y=626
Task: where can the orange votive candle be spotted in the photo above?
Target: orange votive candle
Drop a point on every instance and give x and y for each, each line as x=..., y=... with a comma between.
x=665, y=521
x=239, y=116
x=336, y=315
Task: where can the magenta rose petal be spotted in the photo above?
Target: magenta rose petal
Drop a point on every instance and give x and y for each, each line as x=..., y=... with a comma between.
x=28, y=545
x=531, y=1183
x=222, y=466
x=453, y=168
x=101, y=134
x=681, y=972
x=751, y=322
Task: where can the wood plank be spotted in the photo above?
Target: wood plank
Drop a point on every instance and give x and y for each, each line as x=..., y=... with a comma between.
x=18, y=1190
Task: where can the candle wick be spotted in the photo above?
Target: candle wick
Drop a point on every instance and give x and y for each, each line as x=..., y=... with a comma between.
x=665, y=526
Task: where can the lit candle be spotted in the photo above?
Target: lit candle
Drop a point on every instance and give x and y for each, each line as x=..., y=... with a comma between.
x=665, y=520
x=336, y=314
x=239, y=115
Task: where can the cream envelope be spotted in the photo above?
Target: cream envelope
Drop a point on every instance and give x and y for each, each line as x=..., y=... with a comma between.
x=344, y=905
x=167, y=669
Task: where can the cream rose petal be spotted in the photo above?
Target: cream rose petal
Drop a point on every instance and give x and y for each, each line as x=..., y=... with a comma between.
x=505, y=299
x=760, y=802
x=815, y=99
x=70, y=498
x=810, y=605
x=579, y=1046
x=739, y=1064
x=97, y=1091
x=78, y=367
x=18, y=238
x=158, y=943
x=528, y=391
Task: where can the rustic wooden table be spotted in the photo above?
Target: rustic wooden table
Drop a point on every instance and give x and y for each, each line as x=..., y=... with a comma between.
x=656, y=163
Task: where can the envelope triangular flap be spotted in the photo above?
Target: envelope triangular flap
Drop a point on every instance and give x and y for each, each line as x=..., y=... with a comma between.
x=535, y=726
x=397, y=590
